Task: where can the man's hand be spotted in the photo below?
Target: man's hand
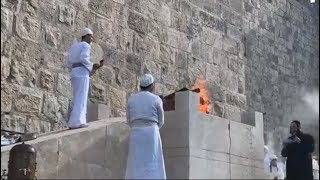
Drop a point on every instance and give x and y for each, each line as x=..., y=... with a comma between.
x=296, y=139
x=92, y=72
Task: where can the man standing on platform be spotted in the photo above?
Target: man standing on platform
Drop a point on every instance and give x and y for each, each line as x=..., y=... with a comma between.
x=81, y=68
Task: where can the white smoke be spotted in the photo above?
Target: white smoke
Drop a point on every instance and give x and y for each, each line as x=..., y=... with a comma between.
x=312, y=101
x=305, y=108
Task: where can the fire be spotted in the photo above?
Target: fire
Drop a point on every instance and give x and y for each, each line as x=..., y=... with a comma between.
x=205, y=104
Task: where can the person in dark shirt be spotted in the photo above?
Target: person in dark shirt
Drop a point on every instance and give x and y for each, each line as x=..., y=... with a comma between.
x=298, y=149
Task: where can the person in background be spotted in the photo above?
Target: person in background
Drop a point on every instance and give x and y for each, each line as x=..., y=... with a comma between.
x=315, y=167
x=275, y=171
x=81, y=68
x=266, y=160
x=298, y=149
x=145, y=116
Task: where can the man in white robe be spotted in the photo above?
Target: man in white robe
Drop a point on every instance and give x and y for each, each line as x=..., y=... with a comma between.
x=275, y=171
x=145, y=116
x=266, y=160
x=315, y=167
x=81, y=68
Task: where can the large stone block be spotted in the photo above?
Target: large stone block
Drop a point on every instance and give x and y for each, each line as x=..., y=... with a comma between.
x=203, y=128
x=212, y=22
x=107, y=75
x=229, y=80
x=137, y=22
x=46, y=80
x=127, y=79
x=206, y=169
x=177, y=167
x=104, y=8
x=6, y=97
x=28, y=27
x=51, y=107
x=53, y=35
x=47, y=157
x=38, y=125
x=117, y=136
x=67, y=14
x=5, y=67
x=232, y=112
x=64, y=85
x=14, y=122
x=117, y=97
x=98, y=112
x=6, y=20
x=98, y=92
x=178, y=40
x=238, y=100
x=28, y=100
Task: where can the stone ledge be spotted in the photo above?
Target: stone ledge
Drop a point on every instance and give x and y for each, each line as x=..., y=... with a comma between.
x=98, y=151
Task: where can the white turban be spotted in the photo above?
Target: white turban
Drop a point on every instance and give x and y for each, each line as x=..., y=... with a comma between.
x=146, y=80
x=86, y=31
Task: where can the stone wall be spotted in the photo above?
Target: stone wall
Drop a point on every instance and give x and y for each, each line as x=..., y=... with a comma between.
x=255, y=55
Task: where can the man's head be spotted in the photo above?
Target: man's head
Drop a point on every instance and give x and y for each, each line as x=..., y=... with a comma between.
x=295, y=127
x=87, y=35
x=147, y=83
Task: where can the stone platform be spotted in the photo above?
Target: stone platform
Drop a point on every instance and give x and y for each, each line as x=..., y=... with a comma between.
x=202, y=146
x=96, y=152
x=196, y=145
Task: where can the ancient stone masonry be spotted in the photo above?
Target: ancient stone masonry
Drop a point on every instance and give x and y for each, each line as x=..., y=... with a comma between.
x=254, y=54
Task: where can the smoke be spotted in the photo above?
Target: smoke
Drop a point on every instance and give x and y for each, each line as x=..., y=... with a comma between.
x=306, y=110
x=303, y=107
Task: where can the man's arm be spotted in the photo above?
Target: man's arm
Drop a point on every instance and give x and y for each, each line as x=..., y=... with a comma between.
x=96, y=67
x=85, y=57
x=307, y=145
x=160, y=113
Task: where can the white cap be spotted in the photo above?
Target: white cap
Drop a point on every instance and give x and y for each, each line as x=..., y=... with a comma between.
x=146, y=80
x=86, y=31
x=273, y=157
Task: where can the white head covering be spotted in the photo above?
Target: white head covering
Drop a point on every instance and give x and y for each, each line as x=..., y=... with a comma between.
x=273, y=157
x=146, y=80
x=86, y=31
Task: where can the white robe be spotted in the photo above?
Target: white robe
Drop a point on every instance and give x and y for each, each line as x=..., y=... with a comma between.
x=315, y=167
x=276, y=173
x=79, y=53
x=145, y=157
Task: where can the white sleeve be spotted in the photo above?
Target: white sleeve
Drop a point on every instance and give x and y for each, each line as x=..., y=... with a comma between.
x=160, y=112
x=85, y=57
x=127, y=112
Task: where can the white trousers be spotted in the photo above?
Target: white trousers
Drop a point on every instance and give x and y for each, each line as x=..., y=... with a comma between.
x=145, y=157
x=80, y=87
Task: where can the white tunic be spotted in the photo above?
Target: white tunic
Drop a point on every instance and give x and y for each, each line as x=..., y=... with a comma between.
x=276, y=173
x=79, y=53
x=145, y=105
x=145, y=156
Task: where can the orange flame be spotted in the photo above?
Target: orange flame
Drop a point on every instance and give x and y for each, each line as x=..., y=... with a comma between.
x=205, y=104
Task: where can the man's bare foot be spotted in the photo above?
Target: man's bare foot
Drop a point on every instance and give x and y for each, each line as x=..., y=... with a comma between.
x=81, y=126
